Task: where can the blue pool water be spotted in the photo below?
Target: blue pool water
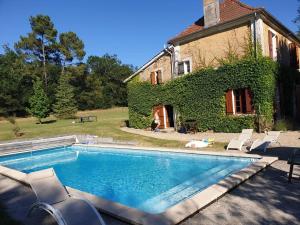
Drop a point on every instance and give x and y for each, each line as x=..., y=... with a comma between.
x=148, y=181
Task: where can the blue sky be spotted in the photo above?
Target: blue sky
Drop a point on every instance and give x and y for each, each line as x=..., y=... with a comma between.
x=135, y=30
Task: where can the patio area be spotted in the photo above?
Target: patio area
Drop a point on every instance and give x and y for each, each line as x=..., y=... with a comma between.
x=267, y=198
x=287, y=139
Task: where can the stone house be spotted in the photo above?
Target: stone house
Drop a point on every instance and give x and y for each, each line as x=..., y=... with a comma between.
x=225, y=28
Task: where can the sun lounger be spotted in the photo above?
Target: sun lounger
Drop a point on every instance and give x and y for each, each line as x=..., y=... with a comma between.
x=246, y=135
x=55, y=199
x=270, y=138
x=235, y=144
x=243, y=138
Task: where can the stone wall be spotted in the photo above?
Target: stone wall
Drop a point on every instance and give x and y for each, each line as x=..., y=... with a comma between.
x=283, y=48
x=207, y=50
x=163, y=64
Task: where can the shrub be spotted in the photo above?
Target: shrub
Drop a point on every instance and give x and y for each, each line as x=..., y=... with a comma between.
x=15, y=127
x=65, y=106
x=283, y=125
x=200, y=96
x=39, y=104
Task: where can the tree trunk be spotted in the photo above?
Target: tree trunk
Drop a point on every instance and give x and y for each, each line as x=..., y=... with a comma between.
x=63, y=68
x=44, y=63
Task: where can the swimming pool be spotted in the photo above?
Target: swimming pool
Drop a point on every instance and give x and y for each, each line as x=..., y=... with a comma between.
x=150, y=181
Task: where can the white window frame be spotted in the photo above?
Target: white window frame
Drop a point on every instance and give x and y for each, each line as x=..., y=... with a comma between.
x=233, y=103
x=165, y=116
x=258, y=24
x=274, y=43
x=185, y=66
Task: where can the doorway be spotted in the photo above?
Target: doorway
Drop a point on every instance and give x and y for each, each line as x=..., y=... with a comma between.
x=166, y=116
x=298, y=103
x=169, y=115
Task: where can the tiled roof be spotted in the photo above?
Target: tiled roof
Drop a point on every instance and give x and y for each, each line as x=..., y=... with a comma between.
x=229, y=10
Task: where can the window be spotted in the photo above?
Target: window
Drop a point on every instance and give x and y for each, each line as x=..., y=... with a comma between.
x=294, y=60
x=156, y=77
x=184, y=67
x=239, y=101
x=273, y=44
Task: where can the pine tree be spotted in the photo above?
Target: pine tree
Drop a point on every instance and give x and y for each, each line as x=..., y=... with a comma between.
x=65, y=106
x=297, y=20
x=71, y=47
x=40, y=44
x=39, y=105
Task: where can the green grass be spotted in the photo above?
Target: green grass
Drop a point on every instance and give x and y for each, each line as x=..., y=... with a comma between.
x=108, y=125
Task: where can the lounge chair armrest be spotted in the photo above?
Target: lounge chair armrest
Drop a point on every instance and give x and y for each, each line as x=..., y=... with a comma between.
x=50, y=209
x=91, y=206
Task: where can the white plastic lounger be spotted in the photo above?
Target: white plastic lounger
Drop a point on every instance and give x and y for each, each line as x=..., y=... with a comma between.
x=246, y=135
x=243, y=138
x=271, y=137
x=54, y=198
x=235, y=144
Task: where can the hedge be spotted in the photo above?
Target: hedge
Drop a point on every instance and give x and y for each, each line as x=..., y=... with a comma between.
x=200, y=95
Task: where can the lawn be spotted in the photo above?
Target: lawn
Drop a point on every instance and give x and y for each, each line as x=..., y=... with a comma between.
x=108, y=125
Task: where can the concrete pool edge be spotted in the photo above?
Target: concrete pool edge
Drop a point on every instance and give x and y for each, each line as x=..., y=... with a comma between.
x=178, y=212
x=176, y=150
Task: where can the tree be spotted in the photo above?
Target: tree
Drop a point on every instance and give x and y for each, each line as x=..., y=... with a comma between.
x=110, y=71
x=71, y=47
x=40, y=44
x=65, y=106
x=39, y=106
x=45, y=54
x=9, y=84
x=297, y=20
x=15, y=84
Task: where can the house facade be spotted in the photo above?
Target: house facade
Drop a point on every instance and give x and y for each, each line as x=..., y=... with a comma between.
x=224, y=30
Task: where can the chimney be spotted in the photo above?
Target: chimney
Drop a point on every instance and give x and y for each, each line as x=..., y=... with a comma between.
x=211, y=12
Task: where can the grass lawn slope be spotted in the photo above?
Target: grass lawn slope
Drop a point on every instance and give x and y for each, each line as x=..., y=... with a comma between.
x=108, y=125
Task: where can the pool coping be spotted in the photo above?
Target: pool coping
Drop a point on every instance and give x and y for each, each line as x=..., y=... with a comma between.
x=176, y=213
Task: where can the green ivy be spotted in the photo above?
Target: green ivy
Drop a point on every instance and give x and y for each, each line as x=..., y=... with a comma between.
x=288, y=78
x=200, y=96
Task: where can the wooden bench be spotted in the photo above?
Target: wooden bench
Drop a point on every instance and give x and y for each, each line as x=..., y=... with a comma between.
x=293, y=160
x=83, y=119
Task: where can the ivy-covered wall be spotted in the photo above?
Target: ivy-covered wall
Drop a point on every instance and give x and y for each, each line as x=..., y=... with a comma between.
x=200, y=96
x=288, y=78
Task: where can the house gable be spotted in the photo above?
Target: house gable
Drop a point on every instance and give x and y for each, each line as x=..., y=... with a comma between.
x=201, y=44
x=229, y=10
